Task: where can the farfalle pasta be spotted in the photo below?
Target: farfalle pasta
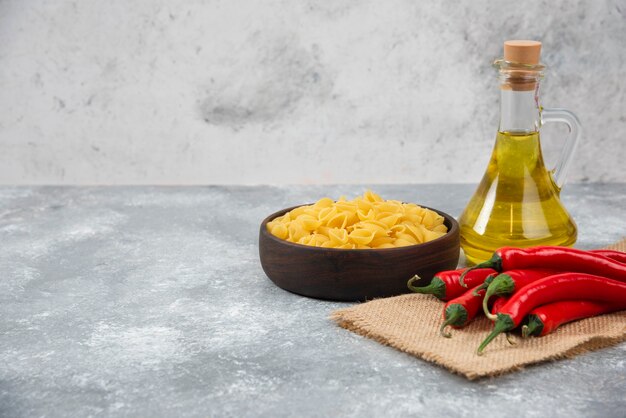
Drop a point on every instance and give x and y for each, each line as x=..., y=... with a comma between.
x=365, y=222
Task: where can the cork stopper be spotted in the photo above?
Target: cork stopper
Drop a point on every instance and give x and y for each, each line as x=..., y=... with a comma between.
x=522, y=52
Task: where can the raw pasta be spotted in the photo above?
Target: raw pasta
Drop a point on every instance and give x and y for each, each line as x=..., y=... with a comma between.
x=366, y=222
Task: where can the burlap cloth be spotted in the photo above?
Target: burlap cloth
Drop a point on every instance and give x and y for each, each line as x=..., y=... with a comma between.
x=410, y=323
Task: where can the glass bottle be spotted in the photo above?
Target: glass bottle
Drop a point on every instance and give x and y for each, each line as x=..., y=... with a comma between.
x=517, y=202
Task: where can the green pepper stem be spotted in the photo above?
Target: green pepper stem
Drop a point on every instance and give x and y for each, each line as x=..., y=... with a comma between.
x=502, y=324
x=447, y=322
x=436, y=287
x=477, y=266
x=510, y=339
x=454, y=314
x=495, y=262
x=488, y=314
x=412, y=280
x=534, y=326
x=485, y=284
x=479, y=288
x=503, y=284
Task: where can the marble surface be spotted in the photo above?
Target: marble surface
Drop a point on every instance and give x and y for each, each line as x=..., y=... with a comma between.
x=292, y=92
x=150, y=301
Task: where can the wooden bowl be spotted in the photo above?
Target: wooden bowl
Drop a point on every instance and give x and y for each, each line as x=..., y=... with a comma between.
x=354, y=275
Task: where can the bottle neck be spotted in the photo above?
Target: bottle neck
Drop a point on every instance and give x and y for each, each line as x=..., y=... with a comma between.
x=519, y=110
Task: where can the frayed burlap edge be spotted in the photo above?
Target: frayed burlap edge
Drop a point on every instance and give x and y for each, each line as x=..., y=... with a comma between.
x=359, y=327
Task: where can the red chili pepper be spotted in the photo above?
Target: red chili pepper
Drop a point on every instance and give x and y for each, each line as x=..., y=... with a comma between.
x=498, y=304
x=612, y=254
x=445, y=285
x=558, y=258
x=460, y=311
x=511, y=281
x=545, y=319
x=565, y=286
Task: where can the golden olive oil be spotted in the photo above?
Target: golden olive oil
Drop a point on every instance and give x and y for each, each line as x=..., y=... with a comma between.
x=517, y=202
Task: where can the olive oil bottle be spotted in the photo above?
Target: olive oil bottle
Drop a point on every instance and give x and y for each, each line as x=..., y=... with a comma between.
x=517, y=202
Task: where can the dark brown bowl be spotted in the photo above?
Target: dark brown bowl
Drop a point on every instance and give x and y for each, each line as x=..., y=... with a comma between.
x=354, y=275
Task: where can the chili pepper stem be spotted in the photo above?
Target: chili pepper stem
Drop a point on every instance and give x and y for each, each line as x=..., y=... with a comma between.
x=485, y=284
x=495, y=262
x=534, y=326
x=454, y=314
x=502, y=324
x=488, y=314
x=442, y=330
x=479, y=288
x=501, y=285
x=510, y=339
x=411, y=280
x=436, y=287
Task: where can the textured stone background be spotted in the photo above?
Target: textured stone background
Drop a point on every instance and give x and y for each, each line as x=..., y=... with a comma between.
x=173, y=92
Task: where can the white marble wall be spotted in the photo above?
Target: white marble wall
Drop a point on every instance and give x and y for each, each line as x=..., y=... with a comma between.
x=284, y=91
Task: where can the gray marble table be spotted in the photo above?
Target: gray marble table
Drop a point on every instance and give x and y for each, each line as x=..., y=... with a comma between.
x=150, y=301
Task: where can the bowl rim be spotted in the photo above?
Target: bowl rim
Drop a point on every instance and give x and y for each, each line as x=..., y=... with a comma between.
x=454, y=229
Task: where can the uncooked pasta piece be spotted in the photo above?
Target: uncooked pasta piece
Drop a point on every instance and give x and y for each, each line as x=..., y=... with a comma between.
x=279, y=230
x=362, y=236
x=363, y=223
